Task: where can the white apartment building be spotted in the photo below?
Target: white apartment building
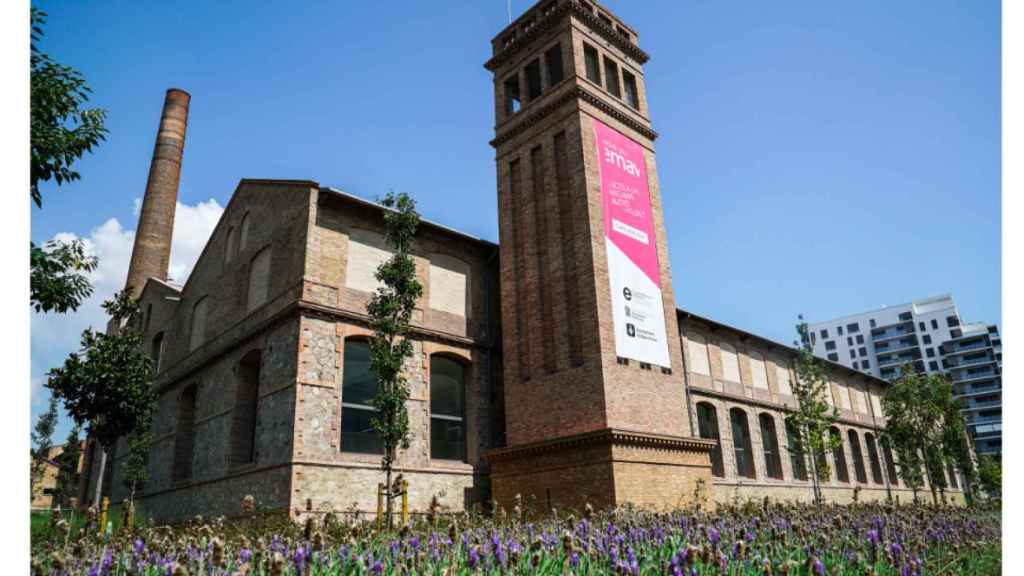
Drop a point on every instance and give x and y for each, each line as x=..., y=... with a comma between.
x=928, y=335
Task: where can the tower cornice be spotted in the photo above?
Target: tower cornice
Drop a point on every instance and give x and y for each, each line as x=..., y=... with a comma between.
x=548, y=20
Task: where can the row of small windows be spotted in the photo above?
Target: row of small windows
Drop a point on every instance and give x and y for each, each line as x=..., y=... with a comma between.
x=593, y=60
x=535, y=85
x=707, y=422
x=447, y=404
x=699, y=363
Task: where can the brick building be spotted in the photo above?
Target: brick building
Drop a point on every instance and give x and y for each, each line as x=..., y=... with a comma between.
x=557, y=368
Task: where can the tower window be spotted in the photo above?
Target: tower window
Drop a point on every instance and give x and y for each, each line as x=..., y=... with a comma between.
x=593, y=67
x=611, y=73
x=533, y=86
x=553, y=59
x=513, y=100
x=629, y=84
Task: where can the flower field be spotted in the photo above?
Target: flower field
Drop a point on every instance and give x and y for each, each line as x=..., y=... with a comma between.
x=751, y=539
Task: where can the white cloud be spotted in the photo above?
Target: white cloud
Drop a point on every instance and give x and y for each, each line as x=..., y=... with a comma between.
x=54, y=336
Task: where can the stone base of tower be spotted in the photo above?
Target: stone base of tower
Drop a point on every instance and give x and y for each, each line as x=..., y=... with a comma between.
x=604, y=468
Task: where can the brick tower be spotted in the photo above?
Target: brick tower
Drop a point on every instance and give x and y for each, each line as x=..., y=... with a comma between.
x=151, y=254
x=595, y=403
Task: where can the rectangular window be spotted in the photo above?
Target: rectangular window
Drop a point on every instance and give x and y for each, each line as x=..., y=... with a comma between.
x=904, y=316
x=849, y=340
x=533, y=83
x=933, y=366
x=872, y=322
x=632, y=95
x=927, y=339
x=513, y=100
x=611, y=77
x=955, y=333
x=952, y=321
x=935, y=324
x=865, y=364
x=863, y=351
x=930, y=352
x=833, y=357
x=920, y=326
x=860, y=338
x=839, y=330
x=553, y=60
x=593, y=67
x=830, y=345
x=824, y=334
x=853, y=353
x=853, y=328
x=855, y=365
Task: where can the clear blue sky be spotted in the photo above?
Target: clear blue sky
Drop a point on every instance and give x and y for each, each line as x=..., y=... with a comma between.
x=815, y=157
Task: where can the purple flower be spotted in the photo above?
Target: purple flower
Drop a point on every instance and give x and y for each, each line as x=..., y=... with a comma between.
x=819, y=568
x=714, y=536
x=474, y=558
x=138, y=546
x=873, y=537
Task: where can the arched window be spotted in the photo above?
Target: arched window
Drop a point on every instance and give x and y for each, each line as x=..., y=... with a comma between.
x=796, y=451
x=707, y=424
x=149, y=316
x=184, y=434
x=697, y=346
x=358, y=387
x=730, y=363
x=741, y=443
x=246, y=412
x=243, y=240
x=839, y=455
x=259, y=279
x=156, y=351
x=770, y=444
x=858, y=457
x=197, y=331
x=229, y=245
x=890, y=464
x=876, y=464
x=447, y=409
x=758, y=372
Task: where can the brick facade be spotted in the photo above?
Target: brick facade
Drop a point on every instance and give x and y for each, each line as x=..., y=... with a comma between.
x=258, y=354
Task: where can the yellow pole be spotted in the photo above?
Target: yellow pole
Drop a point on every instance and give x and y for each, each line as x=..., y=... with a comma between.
x=103, y=515
x=380, y=504
x=405, y=502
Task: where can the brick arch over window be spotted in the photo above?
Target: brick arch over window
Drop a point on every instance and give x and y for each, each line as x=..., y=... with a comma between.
x=770, y=446
x=448, y=376
x=876, y=464
x=184, y=433
x=741, y=444
x=858, y=457
x=245, y=417
x=839, y=455
x=358, y=387
x=707, y=425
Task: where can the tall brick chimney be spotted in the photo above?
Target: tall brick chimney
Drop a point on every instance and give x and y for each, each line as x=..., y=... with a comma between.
x=151, y=255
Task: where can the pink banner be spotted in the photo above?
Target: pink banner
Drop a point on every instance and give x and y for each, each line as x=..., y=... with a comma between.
x=627, y=200
x=634, y=275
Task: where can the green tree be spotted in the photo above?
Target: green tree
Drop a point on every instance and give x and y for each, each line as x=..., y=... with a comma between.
x=58, y=275
x=390, y=311
x=135, y=473
x=924, y=426
x=67, y=474
x=813, y=415
x=990, y=476
x=62, y=131
x=42, y=438
x=106, y=384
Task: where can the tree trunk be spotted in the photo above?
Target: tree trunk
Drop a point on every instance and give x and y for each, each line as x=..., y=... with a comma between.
x=387, y=488
x=99, y=477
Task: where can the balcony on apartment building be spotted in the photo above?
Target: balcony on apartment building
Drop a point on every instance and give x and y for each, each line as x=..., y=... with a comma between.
x=892, y=331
